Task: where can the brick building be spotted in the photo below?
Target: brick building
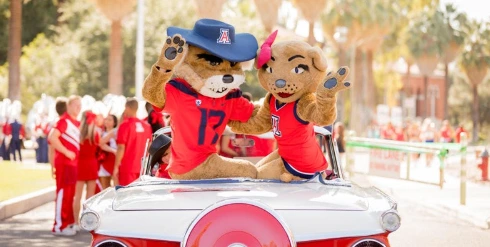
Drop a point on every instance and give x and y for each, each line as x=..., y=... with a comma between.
x=412, y=95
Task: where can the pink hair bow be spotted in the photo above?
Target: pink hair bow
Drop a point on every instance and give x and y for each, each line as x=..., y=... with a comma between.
x=265, y=53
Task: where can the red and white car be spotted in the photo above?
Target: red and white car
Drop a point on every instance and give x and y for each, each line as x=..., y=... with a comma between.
x=240, y=212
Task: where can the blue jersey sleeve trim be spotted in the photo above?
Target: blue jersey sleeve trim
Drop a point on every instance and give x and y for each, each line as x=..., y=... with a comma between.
x=181, y=87
x=234, y=95
x=295, y=111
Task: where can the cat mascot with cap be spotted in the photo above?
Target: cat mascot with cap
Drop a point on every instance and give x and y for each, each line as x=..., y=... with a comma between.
x=196, y=80
x=300, y=94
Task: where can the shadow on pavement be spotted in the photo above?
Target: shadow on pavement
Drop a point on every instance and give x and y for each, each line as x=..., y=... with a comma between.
x=33, y=229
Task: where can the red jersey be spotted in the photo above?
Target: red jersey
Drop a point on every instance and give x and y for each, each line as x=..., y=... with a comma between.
x=7, y=129
x=296, y=140
x=198, y=121
x=88, y=166
x=42, y=130
x=162, y=171
x=70, y=138
x=133, y=133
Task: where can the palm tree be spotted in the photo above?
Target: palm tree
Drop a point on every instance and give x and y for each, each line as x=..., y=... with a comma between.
x=475, y=62
x=425, y=48
x=268, y=12
x=14, y=50
x=115, y=11
x=453, y=23
x=310, y=10
x=209, y=8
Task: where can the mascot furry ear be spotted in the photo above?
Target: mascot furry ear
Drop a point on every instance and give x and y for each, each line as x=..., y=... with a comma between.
x=196, y=80
x=300, y=95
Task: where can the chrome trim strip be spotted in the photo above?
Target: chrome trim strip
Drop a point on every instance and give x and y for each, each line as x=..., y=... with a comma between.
x=368, y=239
x=234, y=201
x=111, y=240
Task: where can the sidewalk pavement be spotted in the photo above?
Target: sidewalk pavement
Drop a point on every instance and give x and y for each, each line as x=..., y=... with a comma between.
x=24, y=203
x=445, y=202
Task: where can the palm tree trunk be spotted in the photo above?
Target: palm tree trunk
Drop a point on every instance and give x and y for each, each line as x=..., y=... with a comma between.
x=341, y=96
x=115, y=59
x=370, y=86
x=356, y=95
x=311, y=34
x=426, y=97
x=447, y=84
x=475, y=113
x=14, y=48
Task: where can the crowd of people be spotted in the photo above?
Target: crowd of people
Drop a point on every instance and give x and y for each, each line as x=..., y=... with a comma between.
x=413, y=131
x=91, y=154
x=12, y=134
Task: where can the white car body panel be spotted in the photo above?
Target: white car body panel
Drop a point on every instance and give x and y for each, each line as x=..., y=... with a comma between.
x=312, y=211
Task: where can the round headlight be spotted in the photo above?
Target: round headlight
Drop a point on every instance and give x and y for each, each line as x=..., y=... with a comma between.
x=89, y=221
x=390, y=221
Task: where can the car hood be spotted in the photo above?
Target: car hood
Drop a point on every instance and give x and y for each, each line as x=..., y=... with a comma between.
x=279, y=196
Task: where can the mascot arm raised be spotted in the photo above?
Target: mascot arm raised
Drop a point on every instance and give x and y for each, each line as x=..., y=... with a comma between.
x=172, y=54
x=259, y=123
x=320, y=108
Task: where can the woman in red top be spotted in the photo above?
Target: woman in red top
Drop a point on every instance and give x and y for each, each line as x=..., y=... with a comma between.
x=109, y=147
x=446, y=132
x=88, y=166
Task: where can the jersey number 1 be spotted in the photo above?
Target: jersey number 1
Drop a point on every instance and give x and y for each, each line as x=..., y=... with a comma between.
x=205, y=115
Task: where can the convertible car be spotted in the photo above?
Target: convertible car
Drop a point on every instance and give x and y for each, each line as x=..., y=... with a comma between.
x=241, y=212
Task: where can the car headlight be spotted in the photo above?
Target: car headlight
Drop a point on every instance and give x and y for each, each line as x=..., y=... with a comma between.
x=390, y=221
x=89, y=221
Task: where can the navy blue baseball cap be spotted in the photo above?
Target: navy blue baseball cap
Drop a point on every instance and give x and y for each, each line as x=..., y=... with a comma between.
x=219, y=39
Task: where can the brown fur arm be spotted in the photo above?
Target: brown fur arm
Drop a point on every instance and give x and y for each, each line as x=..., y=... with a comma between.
x=321, y=109
x=259, y=123
x=154, y=87
x=170, y=57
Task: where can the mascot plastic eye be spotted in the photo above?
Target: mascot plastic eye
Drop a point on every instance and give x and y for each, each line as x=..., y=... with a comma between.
x=269, y=69
x=297, y=70
x=214, y=63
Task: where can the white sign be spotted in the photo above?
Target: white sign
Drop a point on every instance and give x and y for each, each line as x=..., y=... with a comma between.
x=385, y=163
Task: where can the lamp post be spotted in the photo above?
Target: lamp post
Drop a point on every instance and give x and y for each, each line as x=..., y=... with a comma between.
x=140, y=42
x=340, y=37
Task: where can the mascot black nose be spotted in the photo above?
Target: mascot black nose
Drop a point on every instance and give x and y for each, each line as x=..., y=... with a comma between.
x=227, y=78
x=280, y=83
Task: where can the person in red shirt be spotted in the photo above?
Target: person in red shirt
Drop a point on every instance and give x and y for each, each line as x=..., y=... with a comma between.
x=132, y=136
x=60, y=107
x=109, y=148
x=65, y=139
x=5, y=141
x=446, y=133
x=88, y=166
x=458, y=133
